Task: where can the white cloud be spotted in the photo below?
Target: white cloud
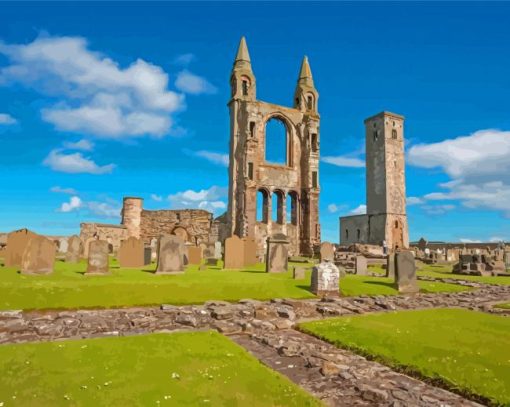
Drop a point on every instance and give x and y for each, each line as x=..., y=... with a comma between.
x=414, y=200
x=479, y=165
x=438, y=209
x=216, y=158
x=69, y=191
x=74, y=203
x=84, y=145
x=465, y=240
x=94, y=94
x=157, y=198
x=103, y=209
x=184, y=59
x=343, y=161
x=360, y=210
x=497, y=239
x=208, y=199
x=7, y=119
x=75, y=163
x=332, y=208
x=188, y=82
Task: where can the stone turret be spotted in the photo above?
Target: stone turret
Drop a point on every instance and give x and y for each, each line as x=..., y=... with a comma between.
x=306, y=96
x=132, y=215
x=242, y=80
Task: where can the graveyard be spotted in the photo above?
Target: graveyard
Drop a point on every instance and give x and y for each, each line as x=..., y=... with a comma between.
x=182, y=223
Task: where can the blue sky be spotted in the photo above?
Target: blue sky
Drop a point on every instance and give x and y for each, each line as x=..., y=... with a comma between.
x=101, y=101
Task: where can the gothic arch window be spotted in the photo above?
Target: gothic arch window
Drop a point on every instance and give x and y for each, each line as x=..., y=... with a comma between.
x=262, y=205
x=292, y=208
x=394, y=134
x=276, y=142
x=245, y=85
x=278, y=200
x=309, y=102
x=315, y=143
x=396, y=224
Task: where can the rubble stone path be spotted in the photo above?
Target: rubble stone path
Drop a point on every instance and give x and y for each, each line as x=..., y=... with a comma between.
x=264, y=327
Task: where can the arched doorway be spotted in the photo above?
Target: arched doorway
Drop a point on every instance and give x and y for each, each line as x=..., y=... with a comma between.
x=182, y=233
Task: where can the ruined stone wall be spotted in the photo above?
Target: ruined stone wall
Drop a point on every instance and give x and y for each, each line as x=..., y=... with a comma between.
x=132, y=215
x=113, y=234
x=192, y=225
x=349, y=226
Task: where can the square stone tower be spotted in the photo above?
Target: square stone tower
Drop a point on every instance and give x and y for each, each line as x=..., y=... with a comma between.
x=294, y=183
x=386, y=219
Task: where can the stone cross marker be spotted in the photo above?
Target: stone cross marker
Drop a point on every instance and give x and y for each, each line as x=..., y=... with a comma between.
x=405, y=273
x=39, y=256
x=277, y=253
x=361, y=266
x=171, y=251
x=74, y=249
x=325, y=280
x=98, y=257
x=327, y=252
x=234, y=253
x=131, y=253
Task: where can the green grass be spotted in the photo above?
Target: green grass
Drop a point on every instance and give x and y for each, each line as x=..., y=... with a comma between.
x=445, y=271
x=180, y=369
x=465, y=350
x=503, y=306
x=67, y=287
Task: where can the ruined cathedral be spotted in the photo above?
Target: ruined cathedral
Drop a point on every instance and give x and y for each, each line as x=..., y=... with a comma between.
x=252, y=178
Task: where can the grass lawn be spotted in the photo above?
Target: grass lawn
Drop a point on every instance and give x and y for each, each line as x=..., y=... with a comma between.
x=445, y=271
x=503, y=306
x=67, y=287
x=180, y=369
x=466, y=350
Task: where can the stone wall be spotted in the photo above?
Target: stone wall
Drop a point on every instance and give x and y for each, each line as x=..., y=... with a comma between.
x=113, y=234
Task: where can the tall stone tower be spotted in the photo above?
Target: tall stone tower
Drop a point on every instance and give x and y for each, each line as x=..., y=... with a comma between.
x=294, y=184
x=132, y=215
x=386, y=190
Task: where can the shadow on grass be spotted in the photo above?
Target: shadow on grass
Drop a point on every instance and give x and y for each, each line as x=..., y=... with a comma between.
x=383, y=283
x=306, y=288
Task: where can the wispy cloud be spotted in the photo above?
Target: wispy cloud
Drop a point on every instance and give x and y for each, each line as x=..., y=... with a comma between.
x=188, y=82
x=74, y=203
x=69, y=191
x=344, y=161
x=75, y=163
x=83, y=145
x=157, y=198
x=211, y=199
x=7, y=119
x=359, y=210
x=184, y=59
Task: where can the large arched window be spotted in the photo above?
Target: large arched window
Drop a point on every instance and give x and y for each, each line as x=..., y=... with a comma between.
x=262, y=206
x=276, y=142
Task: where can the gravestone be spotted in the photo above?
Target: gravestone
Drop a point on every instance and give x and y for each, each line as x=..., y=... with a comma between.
x=16, y=244
x=98, y=258
x=63, y=245
x=234, y=253
x=361, y=266
x=217, y=250
x=390, y=265
x=405, y=273
x=277, y=253
x=325, y=280
x=86, y=246
x=147, y=255
x=327, y=252
x=171, y=252
x=507, y=260
x=299, y=273
x=250, y=251
x=211, y=261
x=39, y=256
x=194, y=255
x=131, y=253
x=74, y=249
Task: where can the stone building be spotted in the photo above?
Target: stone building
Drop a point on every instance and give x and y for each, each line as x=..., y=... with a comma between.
x=194, y=226
x=386, y=218
x=294, y=184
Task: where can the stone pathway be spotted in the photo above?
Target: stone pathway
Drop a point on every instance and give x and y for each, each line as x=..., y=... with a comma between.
x=337, y=376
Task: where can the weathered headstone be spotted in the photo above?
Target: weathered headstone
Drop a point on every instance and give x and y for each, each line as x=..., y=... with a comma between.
x=98, y=258
x=277, y=253
x=327, y=252
x=147, y=255
x=405, y=273
x=74, y=249
x=361, y=266
x=16, y=243
x=63, y=245
x=250, y=251
x=234, y=253
x=299, y=273
x=39, y=256
x=390, y=265
x=325, y=280
x=507, y=260
x=86, y=246
x=131, y=252
x=171, y=251
x=217, y=250
x=211, y=261
x=194, y=255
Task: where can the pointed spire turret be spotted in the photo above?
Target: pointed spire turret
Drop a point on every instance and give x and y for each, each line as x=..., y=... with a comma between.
x=243, y=56
x=242, y=79
x=305, y=74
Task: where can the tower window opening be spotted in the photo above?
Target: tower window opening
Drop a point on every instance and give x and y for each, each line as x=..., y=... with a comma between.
x=315, y=146
x=250, y=171
x=394, y=134
x=252, y=129
x=347, y=234
x=314, y=179
x=376, y=135
x=245, y=87
x=309, y=101
x=358, y=234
